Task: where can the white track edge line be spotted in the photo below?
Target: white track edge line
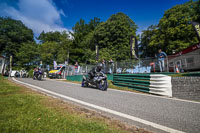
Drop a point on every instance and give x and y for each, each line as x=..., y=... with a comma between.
x=157, y=126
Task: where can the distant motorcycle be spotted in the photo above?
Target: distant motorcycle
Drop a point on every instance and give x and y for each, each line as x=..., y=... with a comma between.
x=17, y=74
x=38, y=74
x=23, y=73
x=96, y=78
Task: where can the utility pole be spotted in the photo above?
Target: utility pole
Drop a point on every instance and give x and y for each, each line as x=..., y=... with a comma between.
x=10, y=66
x=97, y=52
x=67, y=65
x=68, y=57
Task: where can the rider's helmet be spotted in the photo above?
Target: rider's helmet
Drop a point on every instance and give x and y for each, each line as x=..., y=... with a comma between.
x=98, y=68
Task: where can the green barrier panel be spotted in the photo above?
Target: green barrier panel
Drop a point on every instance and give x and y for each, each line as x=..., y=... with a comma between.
x=135, y=75
x=133, y=83
x=5, y=77
x=75, y=78
x=134, y=88
x=139, y=82
x=159, y=84
x=110, y=77
x=140, y=78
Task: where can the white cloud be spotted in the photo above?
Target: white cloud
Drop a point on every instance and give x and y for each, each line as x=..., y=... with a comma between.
x=140, y=30
x=38, y=15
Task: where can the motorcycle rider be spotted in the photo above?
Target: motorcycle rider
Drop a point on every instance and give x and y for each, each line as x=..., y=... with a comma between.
x=96, y=77
x=94, y=70
x=36, y=71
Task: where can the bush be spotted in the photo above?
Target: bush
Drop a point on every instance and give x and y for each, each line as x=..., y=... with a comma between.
x=30, y=73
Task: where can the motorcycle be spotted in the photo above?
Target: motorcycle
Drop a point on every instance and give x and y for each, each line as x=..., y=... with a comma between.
x=97, y=79
x=38, y=74
x=23, y=73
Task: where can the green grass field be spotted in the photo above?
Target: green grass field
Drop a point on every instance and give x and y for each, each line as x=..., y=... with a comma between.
x=22, y=110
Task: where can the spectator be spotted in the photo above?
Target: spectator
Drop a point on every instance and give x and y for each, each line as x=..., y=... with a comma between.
x=111, y=64
x=103, y=65
x=76, y=68
x=161, y=59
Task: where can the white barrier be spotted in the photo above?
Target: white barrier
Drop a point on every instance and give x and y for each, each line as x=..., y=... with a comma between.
x=160, y=84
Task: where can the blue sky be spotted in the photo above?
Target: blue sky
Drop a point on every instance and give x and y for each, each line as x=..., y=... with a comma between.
x=142, y=12
x=52, y=15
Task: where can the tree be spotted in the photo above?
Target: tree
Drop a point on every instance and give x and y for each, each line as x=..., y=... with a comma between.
x=13, y=34
x=146, y=38
x=111, y=36
x=83, y=44
x=197, y=12
x=114, y=35
x=49, y=52
x=28, y=55
x=174, y=31
x=52, y=36
x=54, y=47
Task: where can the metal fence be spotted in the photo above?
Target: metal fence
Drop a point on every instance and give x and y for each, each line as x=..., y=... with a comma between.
x=145, y=65
x=173, y=63
x=84, y=69
x=178, y=63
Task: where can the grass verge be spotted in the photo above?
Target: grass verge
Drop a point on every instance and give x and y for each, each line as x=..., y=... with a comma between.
x=23, y=110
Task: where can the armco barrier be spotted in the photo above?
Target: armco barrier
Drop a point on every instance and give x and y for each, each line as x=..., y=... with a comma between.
x=138, y=82
x=151, y=83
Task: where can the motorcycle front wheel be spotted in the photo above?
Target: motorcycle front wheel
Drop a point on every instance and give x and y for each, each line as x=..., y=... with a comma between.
x=84, y=83
x=103, y=85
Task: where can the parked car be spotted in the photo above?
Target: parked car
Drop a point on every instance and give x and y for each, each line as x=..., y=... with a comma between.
x=56, y=73
x=15, y=73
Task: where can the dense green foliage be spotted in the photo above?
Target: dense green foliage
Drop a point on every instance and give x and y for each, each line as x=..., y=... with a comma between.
x=83, y=44
x=28, y=55
x=113, y=37
x=174, y=31
x=54, y=47
x=13, y=34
